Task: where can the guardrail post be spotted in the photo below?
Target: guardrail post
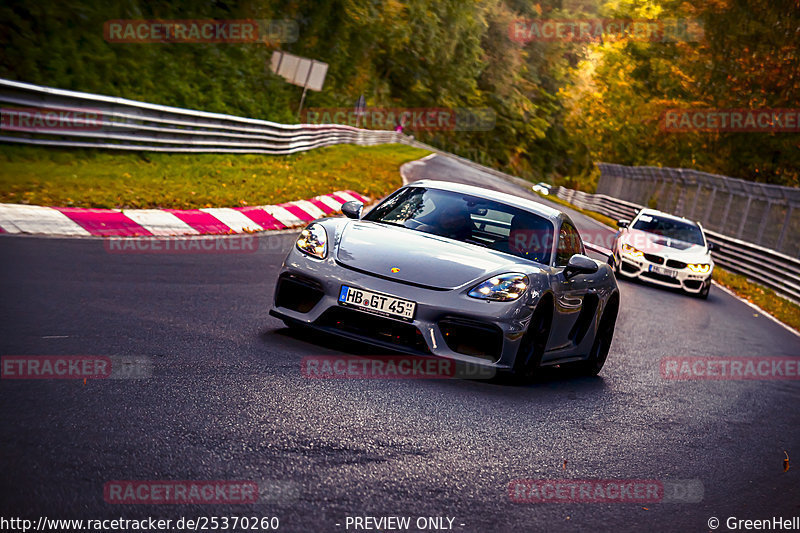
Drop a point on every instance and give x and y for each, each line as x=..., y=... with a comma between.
x=697, y=194
x=660, y=193
x=744, y=217
x=635, y=190
x=725, y=213
x=709, y=205
x=762, y=226
x=679, y=184
x=786, y=220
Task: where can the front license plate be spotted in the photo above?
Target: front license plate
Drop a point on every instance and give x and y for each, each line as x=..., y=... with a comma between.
x=379, y=304
x=663, y=271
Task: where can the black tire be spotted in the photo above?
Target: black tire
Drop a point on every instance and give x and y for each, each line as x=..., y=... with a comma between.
x=703, y=294
x=534, y=343
x=602, y=342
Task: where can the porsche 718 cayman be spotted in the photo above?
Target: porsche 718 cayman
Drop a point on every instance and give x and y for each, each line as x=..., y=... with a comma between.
x=456, y=271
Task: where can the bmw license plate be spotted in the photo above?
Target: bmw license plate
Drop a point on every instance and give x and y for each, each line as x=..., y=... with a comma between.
x=379, y=304
x=663, y=271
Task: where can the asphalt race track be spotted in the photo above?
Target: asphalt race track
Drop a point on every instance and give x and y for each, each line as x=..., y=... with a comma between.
x=226, y=401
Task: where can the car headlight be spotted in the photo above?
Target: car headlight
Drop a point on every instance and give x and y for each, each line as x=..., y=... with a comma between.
x=313, y=241
x=627, y=249
x=502, y=288
x=699, y=268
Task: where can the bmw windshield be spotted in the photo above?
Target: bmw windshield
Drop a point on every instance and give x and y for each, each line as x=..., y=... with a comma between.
x=670, y=228
x=469, y=219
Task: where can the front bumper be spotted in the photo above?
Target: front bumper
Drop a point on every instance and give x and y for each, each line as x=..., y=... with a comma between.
x=678, y=278
x=446, y=323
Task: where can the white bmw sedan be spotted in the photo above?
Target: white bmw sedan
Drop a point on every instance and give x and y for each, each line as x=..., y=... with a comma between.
x=664, y=250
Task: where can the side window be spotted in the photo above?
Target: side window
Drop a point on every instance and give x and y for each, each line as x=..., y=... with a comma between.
x=569, y=244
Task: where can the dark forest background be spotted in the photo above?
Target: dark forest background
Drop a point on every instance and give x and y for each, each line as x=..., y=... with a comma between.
x=560, y=107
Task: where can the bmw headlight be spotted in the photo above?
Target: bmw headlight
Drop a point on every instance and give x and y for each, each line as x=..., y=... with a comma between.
x=699, y=268
x=313, y=241
x=502, y=288
x=627, y=249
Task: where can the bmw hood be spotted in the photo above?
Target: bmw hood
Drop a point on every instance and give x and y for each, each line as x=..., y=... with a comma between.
x=651, y=243
x=416, y=257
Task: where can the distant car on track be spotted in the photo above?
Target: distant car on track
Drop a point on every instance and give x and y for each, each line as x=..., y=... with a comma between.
x=666, y=250
x=455, y=271
x=542, y=188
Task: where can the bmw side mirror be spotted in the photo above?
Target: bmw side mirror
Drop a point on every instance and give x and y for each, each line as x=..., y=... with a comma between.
x=713, y=247
x=579, y=264
x=622, y=223
x=352, y=209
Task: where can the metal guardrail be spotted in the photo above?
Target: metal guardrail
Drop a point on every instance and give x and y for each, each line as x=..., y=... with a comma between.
x=83, y=120
x=772, y=269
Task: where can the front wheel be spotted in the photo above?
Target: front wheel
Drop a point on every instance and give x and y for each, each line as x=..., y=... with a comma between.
x=602, y=343
x=534, y=343
x=703, y=294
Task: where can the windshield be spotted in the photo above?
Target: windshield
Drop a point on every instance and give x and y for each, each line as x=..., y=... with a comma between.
x=469, y=219
x=670, y=228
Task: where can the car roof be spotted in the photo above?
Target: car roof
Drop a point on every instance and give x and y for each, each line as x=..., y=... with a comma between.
x=540, y=209
x=662, y=214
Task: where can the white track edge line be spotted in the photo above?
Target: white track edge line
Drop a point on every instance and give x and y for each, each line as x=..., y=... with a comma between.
x=726, y=290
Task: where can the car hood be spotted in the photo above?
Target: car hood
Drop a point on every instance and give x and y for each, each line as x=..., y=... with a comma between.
x=416, y=257
x=651, y=243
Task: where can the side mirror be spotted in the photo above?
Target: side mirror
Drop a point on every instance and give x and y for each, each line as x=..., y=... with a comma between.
x=579, y=264
x=352, y=209
x=622, y=223
x=714, y=247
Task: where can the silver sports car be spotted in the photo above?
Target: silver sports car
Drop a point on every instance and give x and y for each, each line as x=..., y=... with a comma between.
x=454, y=271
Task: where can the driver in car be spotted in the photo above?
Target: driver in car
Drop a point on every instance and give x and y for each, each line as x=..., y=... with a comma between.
x=451, y=221
x=525, y=239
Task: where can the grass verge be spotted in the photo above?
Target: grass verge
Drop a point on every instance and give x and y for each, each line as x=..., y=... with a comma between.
x=93, y=178
x=765, y=298
x=781, y=308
